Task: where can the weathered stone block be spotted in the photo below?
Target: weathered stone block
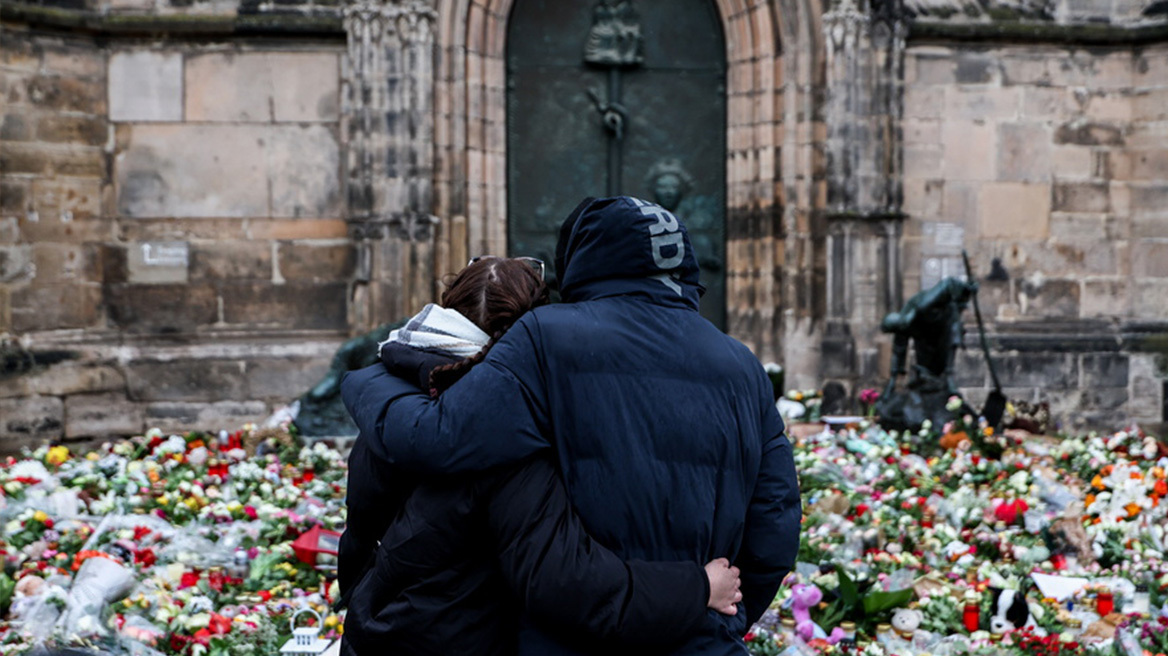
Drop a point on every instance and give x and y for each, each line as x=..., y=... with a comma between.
x=193, y=171
x=73, y=129
x=102, y=415
x=977, y=68
x=1104, y=298
x=78, y=161
x=1089, y=134
x=923, y=198
x=284, y=379
x=255, y=87
x=1024, y=152
x=23, y=158
x=15, y=263
x=1149, y=164
x=164, y=308
x=1151, y=299
x=54, y=307
x=169, y=170
x=222, y=260
x=1046, y=370
x=1048, y=103
x=13, y=196
x=225, y=415
x=30, y=420
x=145, y=85
x=979, y=103
x=297, y=306
x=1150, y=259
x=149, y=230
x=1105, y=370
x=1081, y=197
x=1072, y=162
x=186, y=380
x=924, y=101
x=1014, y=210
x=65, y=263
x=15, y=127
x=303, y=177
x=921, y=161
x=67, y=199
x=66, y=94
x=970, y=148
x=65, y=378
x=298, y=229
x=932, y=69
x=1049, y=298
x=317, y=262
x=75, y=62
x=960, y=203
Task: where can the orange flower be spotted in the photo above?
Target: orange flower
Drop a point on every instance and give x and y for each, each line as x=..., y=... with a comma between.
x=1158, y=472
x=1161, y=488
x=1097, y=482
x=1137, y=476
x=1090, y=500
x=1107, y=469
x=1132, y=509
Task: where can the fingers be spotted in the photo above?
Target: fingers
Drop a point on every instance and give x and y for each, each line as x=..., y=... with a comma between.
x=729, y=610
x=721, y=562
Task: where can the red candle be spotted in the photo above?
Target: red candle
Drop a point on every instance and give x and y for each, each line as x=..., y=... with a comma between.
x=1104, y=604
x=972, y=615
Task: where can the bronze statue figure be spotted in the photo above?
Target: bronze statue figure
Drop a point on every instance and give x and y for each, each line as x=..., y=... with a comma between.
x=322, y=414
x=932, y=321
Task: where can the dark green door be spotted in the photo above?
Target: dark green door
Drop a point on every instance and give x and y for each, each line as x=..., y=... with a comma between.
x=610, y=97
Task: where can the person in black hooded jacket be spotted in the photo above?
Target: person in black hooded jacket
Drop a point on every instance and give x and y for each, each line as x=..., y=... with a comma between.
x=664, y=428
x=443, y=566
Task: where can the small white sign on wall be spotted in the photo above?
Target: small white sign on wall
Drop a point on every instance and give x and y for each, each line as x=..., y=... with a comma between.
x=166, y=253
x=941, y=252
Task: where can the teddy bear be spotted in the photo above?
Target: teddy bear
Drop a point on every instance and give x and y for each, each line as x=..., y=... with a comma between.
x=906, y=621
x=803, y=598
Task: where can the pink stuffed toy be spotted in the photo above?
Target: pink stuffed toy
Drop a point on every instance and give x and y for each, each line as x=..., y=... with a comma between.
x=803, y=598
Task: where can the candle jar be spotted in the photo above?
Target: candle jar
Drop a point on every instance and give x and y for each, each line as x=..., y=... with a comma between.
x=1141, y=602
x=849, y=629
x=971, y=616
x=1104, y=603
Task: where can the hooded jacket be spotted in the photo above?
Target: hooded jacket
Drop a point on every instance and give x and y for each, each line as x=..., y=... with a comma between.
x=664, y=428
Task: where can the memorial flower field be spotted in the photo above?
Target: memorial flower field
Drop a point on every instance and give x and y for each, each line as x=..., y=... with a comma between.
x=195, y=544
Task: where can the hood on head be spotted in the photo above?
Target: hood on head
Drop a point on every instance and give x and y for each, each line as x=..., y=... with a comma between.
x=625, y=245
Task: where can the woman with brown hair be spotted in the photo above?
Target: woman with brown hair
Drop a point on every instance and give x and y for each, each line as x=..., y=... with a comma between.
x=454, y=564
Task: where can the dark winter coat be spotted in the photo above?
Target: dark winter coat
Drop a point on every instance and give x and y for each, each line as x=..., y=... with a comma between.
x=456, y=558
x=664, y=428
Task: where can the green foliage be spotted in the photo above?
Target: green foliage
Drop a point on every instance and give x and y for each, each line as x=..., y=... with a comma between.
x=862, y=605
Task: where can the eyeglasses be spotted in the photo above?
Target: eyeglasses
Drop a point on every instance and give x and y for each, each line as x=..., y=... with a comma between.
x=533, y=262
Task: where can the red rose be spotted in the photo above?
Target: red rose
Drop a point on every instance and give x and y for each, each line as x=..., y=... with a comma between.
x=189, y=579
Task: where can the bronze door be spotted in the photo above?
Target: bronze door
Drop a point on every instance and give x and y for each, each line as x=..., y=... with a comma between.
x=608, y=97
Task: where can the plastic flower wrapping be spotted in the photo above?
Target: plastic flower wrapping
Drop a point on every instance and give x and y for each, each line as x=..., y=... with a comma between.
x=168, y=544
x=955, y=541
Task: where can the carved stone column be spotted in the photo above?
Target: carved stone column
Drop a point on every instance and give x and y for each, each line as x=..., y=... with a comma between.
x=389, y=125
x=864, y=74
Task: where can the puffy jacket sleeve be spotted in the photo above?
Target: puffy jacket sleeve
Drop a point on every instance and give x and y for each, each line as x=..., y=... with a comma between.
x=770, y=540
x=501, y=397
x=569, y=583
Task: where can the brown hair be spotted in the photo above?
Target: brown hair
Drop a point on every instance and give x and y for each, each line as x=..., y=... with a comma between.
x=493, y=292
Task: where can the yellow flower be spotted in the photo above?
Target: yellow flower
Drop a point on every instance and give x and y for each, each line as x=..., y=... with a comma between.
x=57, y=455
x=40, y=516
x=92, y=456
x=163, y=500
x=331, y=621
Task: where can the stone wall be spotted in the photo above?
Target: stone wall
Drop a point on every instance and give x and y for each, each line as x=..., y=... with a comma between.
x=1053, y=163
x=173, y=244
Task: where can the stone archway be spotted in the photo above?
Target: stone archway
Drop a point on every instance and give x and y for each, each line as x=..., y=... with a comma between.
x=771, y=157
